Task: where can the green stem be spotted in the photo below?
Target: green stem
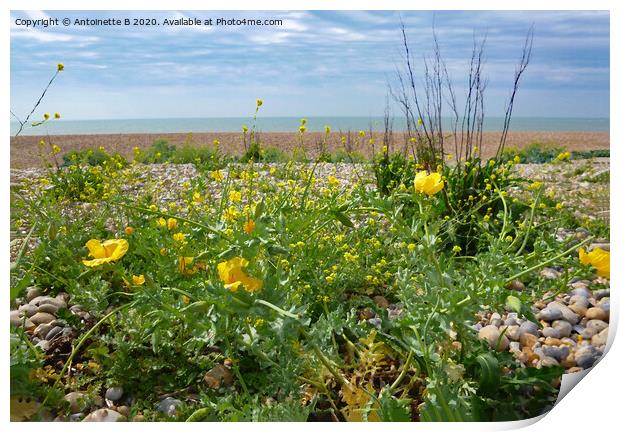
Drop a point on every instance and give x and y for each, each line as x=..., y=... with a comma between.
x=549, y=261
x=403, y=372
x=529, y=225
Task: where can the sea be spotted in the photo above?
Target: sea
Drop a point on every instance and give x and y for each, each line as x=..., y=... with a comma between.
x=291, y=124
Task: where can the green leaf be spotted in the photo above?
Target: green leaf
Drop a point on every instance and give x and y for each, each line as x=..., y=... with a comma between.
x=394, y=410
x=513, y=303
x=343, y=219
x=489, y=374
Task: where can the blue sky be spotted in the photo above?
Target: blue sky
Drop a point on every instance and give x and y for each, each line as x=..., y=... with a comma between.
x=317, y=64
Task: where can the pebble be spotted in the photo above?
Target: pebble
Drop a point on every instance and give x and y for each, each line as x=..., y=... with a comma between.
x=42, y=330
x=28, y=309
x=549, y=273
x=516, y=285
x=513, y=332
x=557, y=352
x=550, y=332
x=45, y=345
x=528, y=340
x=31, y=293
x=563, y=327
x=105, y=415
x=42, y=318
x=77, y=401
x=549, y=314
x=529, y=327
x=597, y=325
x=16, y=318
x=567, y=314
x=585, y=356
x=579, y=310
x=114, y=393
x=597, y=313
x=600, y=339
x=48, y=307
x=169, y=406
x=580, y=289
x=579, y=300
x=599, y=294
x=53, y=333
x=381, y=301
x=548, y=361
x=553, y=341
x=124, y=410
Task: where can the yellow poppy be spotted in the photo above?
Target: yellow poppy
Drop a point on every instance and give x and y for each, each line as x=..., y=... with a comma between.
x=137, y=279
x=172, y=224
x=429, y=184
x=105, y=252
x=598, y=258
x=232, y=274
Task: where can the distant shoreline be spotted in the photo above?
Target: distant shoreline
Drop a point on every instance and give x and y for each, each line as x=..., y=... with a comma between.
x=25, y=149
x=291, y=124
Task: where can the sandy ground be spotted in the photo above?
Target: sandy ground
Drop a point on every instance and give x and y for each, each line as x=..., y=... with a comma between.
x=25, y=151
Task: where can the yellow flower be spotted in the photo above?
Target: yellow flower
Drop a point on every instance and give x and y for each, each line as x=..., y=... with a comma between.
x=46, y=116
x=161, y=222
x=302, y=129
x=232, y=274
x=172, y=224
x=362, y=134
x=56, y=116
x=249, y=226
x=235, y=196
x=563, y=156
x=333, y=181
x=327, y=130
x=196, y=198
x=259, y=102
x=55, y=149
x=217, y=175
x=137, y=279
x=535, y=186
x=231, y=214
x=426, y=183
x=60, y=66
x=180, y=237
x=244, y=128
x=183, y=262
x=456, y=249
x=129, y=230
x=598, y=258
x=105, y=252
x=163, y=252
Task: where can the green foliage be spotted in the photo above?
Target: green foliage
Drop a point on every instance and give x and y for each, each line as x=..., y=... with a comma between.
x=93, y=157
x=534, y=152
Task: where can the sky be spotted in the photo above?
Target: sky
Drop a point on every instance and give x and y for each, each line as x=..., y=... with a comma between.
x=317, y=63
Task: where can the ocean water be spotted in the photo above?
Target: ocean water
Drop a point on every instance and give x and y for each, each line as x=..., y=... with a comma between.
x=290, y=124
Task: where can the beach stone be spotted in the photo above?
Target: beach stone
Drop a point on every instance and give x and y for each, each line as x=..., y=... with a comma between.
x=587, y=333
x=585, y=356
x=514, y=347
x=28, y=309
x=549, y=314
x=569, y=361
x=77, y=401
x=567, y=314
x=557, y=352
x=574, y=369
x=31, y=293
x=548, y=361
x=496, y=322
x=169, y=406
x=550, y=332
x=579, y=300
x=581, y=289
x=42, y=330
x=37, y=300
x=48, y=307
x=528, y=340
x=599, y=294
x=124, y=410
x=597, y=325
x=604, y=305
x=58, y=302
x=105, y=415
x=53, y=333
x=600, y=339
x=45, y=345
x=114, y=393
x=549, y=273
x=529, y=327
x=515, y=285
x=597, y=313
x=42, y=318
x=568, y=341
x=578, y=309
x=16, y=318
x=564, y=328
x=513, y=332
x=553, y=341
